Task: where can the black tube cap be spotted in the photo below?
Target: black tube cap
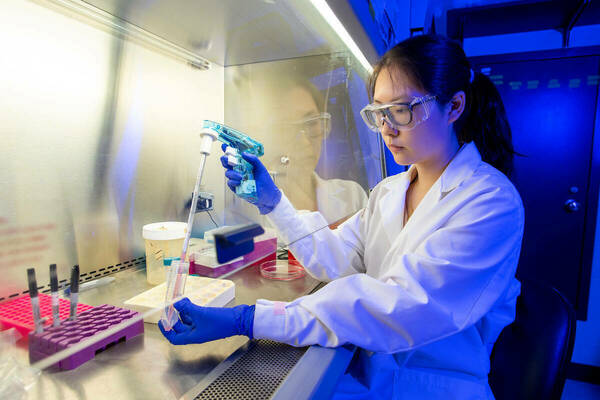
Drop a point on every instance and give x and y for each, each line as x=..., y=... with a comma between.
x=75, y=279
x=53, y=278
x=31, y=281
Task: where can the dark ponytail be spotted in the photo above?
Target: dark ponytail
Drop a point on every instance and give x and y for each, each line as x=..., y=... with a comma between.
x=484, y=122
x=439, y=66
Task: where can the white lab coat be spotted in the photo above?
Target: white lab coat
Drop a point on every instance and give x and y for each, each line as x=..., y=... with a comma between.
x=425, y=301
x=336, y=199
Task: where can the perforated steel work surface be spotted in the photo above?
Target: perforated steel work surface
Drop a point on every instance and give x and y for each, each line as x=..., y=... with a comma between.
x=256, y=375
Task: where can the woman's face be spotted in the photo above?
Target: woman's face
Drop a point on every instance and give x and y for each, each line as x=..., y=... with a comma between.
x=425, y=142
x=292, y=139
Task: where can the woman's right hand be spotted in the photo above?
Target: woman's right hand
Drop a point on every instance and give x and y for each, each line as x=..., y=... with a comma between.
x=268, y=194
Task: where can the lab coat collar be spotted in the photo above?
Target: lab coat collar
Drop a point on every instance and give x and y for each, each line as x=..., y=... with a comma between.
x=460, y=168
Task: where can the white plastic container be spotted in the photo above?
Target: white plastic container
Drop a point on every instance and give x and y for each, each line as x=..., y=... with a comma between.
x=162, y=239
x=200, y=290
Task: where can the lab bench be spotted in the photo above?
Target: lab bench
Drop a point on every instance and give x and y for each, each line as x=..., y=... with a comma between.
x=149, y=367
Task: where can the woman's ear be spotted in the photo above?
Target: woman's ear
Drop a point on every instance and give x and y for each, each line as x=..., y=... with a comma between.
x=456, y=106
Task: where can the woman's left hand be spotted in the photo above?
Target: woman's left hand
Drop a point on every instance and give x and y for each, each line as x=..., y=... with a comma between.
x=268, y=193
x=199, y=324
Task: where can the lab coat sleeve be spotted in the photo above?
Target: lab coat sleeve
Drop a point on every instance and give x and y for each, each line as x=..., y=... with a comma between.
x=447, y=284
x=326, y=254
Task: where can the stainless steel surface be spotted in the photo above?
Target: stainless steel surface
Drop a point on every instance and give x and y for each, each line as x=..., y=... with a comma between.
x=255, y=375
x=216, y=372
x=233, y=32
x=149, y=367
x=120, y=27
x=263, y=369
x=96, y=143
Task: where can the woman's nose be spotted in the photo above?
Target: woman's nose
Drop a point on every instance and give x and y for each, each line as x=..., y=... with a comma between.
x=387, y=130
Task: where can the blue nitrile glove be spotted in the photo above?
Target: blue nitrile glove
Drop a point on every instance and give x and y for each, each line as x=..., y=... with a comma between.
x=202, y=324
x=268, y=194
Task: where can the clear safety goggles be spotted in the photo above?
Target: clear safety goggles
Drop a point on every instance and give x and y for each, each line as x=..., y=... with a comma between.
x=398, y=116
x=315, y=126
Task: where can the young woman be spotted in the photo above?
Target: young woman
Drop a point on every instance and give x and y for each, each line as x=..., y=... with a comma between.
x=422, y=279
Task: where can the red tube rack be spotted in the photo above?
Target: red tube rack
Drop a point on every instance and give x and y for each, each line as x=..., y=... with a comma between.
x=16, y=313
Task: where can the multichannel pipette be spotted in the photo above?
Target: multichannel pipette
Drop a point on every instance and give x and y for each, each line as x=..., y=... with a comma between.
x=237, y=143
x=177, y=270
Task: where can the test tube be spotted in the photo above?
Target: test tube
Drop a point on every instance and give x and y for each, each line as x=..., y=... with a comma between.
x=35, y=302
x=176, y=277
x=54, y=294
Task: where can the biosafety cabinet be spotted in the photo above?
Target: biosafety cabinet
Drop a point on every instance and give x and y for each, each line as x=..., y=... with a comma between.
x=102, y=102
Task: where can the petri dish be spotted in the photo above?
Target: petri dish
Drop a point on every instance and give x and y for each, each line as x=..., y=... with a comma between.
x=282, y=270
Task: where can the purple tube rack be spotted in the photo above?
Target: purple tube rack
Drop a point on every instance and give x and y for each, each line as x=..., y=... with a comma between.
x=87, y=324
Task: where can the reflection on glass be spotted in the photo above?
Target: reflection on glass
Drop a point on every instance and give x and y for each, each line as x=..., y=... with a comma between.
x=289, y=115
